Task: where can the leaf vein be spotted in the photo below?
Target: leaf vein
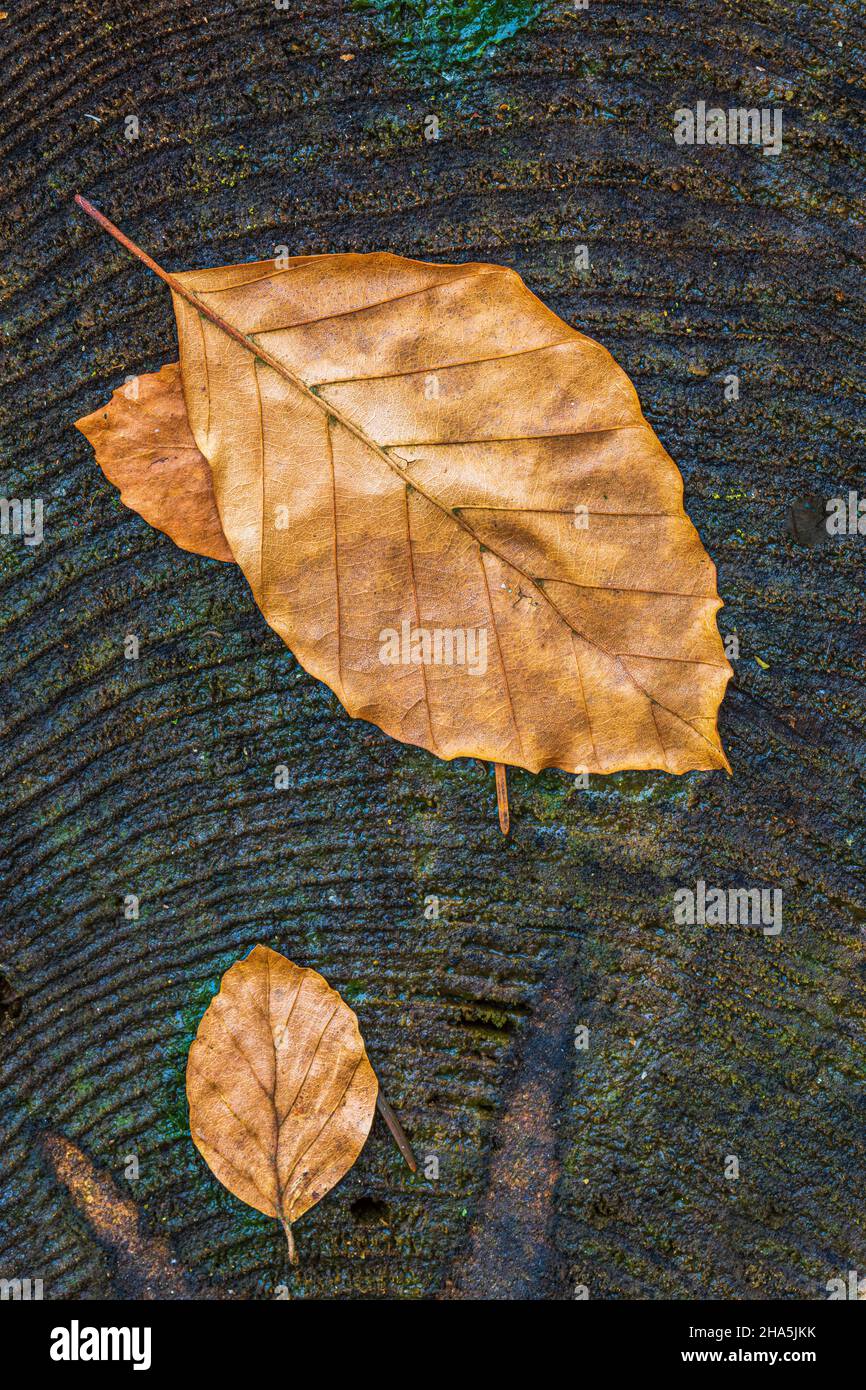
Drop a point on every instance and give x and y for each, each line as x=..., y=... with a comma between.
x=358, y=309
x=444, y=366
x=406, y=492
x=282, y=1121
x=283, y=1187
x=501, y=655
x=268, y=1157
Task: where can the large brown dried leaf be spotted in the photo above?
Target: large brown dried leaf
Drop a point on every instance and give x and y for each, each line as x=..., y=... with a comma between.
x=418, y=453
x=144, y=445
x=430, y=436
x=281, y=1093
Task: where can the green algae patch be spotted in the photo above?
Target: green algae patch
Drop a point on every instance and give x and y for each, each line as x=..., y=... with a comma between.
x=448, y=37
x=175, y=1121
x=641, y=786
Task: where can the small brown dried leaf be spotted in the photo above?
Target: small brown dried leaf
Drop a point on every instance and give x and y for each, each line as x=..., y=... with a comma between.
x=281, y=1092
x=144, y=446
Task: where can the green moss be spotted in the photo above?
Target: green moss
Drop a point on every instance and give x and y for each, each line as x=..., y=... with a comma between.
x=641, y=786
x=177, y=1048
x=355, y=992
x=447, y=37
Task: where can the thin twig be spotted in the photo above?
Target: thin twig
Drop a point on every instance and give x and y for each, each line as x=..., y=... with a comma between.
x=502, y=797
x=397, y=1131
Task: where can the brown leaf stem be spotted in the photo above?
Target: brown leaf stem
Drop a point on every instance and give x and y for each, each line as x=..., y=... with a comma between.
x=502, y=797
x=290, y=1241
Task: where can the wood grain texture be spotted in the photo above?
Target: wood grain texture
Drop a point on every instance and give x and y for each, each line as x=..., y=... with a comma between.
x=156, y=777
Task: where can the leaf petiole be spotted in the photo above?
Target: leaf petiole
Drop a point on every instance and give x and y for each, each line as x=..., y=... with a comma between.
x=502, y=797
x=290, y=1241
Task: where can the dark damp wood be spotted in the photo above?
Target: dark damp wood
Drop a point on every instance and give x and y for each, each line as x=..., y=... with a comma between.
x=471, y=960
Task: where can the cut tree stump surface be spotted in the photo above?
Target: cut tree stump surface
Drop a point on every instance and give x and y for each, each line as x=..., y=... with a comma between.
x=470, y=959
